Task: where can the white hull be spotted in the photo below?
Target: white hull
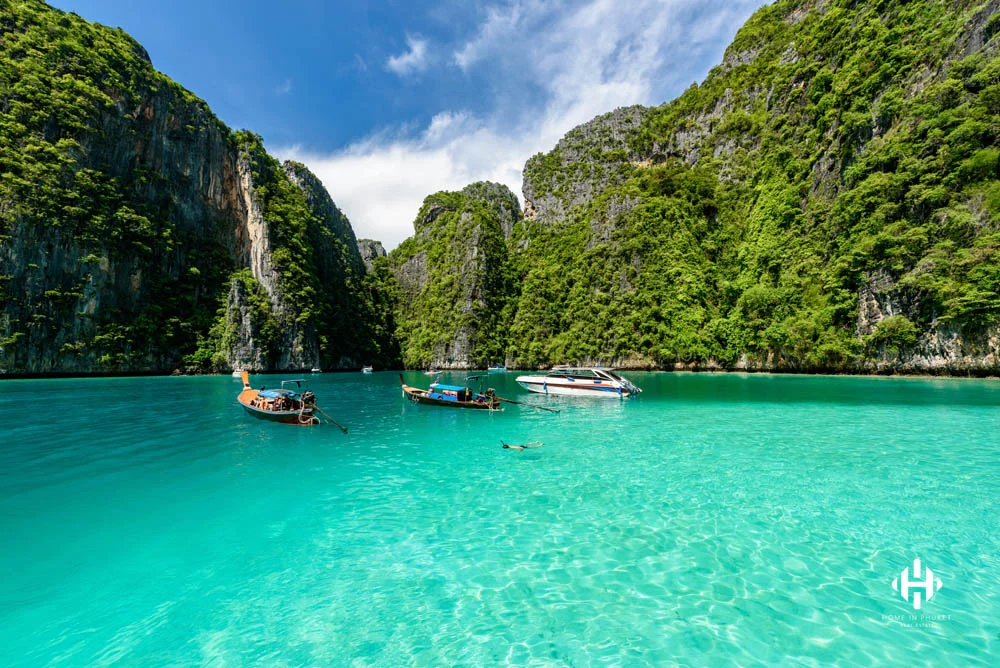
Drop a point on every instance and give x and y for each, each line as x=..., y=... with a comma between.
x=542, y=385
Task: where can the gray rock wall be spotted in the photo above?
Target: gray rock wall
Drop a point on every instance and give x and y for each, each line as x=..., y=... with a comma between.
x=370, y=250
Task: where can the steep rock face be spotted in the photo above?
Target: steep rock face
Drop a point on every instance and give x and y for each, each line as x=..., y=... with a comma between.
x=822, y=201
x=370, y=250
x=126, y=207
x=336, y=228
x=252, y=233
x=454, y=278
x=339, y=268
x=302, y=254
x=255, y=252
x=118, y=214
x=942, y=348
x=582, y=164
x=249, y=346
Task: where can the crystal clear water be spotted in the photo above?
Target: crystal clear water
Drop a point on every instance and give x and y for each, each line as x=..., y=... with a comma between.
x=714, y=520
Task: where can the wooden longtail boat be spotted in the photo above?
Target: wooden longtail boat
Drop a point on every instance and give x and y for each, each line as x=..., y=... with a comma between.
x=284, y=405
x=453, y=396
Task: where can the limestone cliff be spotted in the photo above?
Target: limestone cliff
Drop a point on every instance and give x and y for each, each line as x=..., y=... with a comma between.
x=370, y=250
x=823, y=201
x=584, y=162
x=127, y=210
x=455, y=279
x=828, y=199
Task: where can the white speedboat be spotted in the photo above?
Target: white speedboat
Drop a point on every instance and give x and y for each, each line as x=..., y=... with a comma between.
x=366, y=369
x=582, y=381
x=500, y=368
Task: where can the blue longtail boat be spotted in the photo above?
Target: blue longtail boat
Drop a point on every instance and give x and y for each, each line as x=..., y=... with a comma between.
x=453, y=396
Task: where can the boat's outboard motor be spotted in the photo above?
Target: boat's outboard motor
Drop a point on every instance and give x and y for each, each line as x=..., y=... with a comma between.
x=308, y=399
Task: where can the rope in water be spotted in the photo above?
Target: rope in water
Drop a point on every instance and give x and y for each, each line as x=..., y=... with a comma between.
x=312, y=419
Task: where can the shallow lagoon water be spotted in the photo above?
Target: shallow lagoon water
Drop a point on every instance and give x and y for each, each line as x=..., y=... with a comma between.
x=713, y=520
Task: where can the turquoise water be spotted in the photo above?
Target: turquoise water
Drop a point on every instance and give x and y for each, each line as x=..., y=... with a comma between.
x=714, y=520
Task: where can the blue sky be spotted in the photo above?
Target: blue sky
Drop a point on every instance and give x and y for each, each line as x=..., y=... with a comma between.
x=390, y=101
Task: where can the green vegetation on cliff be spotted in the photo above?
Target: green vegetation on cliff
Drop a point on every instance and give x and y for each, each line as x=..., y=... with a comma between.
x=639, y=283
x=842, y=149
x=455, y=280
x=828, y=198
x=224, y=334
x=78, y=211
x=324, y=291
x=126, y=210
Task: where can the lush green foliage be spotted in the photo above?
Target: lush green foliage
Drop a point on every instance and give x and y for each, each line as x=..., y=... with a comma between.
x=114, y=241
x=636, y=284
x=64, y=186
x=455, y=278
x=322, y=283
x=839, y=150
x=375, y=321
x=833, y=147
x=893, y=333
x=222, y=337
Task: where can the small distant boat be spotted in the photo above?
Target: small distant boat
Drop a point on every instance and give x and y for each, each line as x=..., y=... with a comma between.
x=316, y=370
x=497, y=369
x=288, y=406
x=454, y=396
x=579, y=381
x=366, y=369
x=432, y=372
x=237, y=374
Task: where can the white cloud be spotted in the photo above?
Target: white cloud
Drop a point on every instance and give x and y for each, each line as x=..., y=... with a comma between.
x=500, y=24
x=381, y=184
x=414, y=59
x=556, y=66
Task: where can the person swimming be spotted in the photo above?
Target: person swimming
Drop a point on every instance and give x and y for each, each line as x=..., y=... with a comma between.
x=522, y=448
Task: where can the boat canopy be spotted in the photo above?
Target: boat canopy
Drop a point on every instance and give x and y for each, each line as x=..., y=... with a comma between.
x=453, y=388
x=274, y=394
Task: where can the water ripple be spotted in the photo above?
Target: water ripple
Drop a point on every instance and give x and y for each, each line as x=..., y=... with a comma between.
x=750, y=519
